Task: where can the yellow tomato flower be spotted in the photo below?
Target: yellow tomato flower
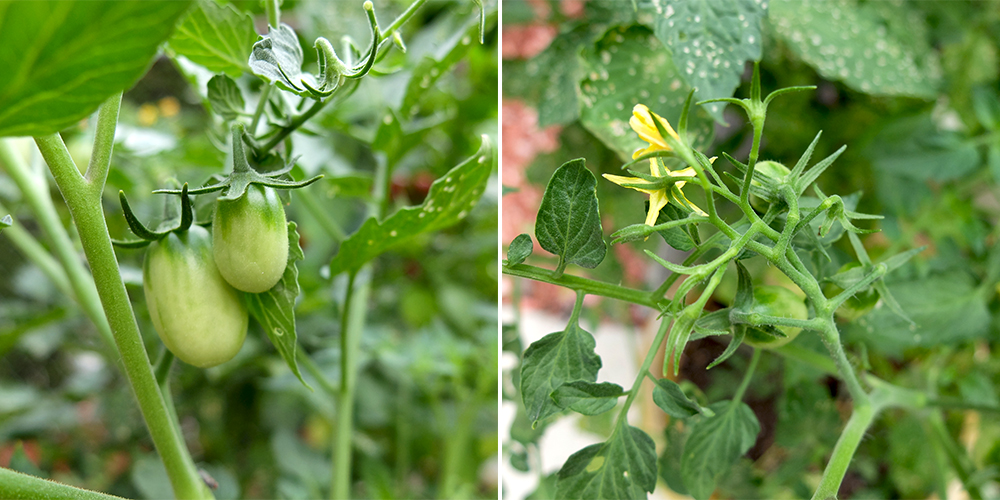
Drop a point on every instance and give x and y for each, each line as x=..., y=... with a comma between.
x=642, y=123
x=658, y=198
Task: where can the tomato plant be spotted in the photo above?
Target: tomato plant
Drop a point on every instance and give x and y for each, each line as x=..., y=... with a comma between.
x=282, y=363
x=654, y=179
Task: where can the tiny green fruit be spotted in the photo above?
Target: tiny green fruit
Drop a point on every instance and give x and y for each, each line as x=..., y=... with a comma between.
x=250, y=239
x=778, y=301
x=196, y=313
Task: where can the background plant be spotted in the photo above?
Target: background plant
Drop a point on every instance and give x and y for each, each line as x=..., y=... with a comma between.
x=394, y=120
x=916, y=145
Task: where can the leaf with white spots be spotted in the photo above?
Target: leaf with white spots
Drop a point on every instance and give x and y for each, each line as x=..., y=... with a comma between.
x=450, y=199
x=623, y=467
x=859, y=46
x=629, y=66
x=711, y=41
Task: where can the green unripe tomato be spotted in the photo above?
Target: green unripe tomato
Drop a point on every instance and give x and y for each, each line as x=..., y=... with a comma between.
x=858, y=305
x=775, y=301
x=250, y=239
x=198, y=316
x=771, y=169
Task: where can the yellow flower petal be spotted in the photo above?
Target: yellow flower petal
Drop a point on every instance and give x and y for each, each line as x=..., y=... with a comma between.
x=657, y=201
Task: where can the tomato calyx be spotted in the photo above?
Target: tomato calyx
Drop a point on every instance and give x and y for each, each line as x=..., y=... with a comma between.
x=147, y=236
x=243, y=175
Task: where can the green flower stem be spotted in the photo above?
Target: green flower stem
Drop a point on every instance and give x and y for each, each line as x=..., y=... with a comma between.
x=585, y=285
x=83, y=198
x=38, y=255
x=316, y=373
x=265, y=94
x=755, y=319
x=401, y=20
x=17, y=486
x=273, y=8
x=701, y=250
x=745, y=383
x=296, y=122
x=352, y=326
x=956, y=456
x=843, y=452
x=643, y=372
x=35, y=189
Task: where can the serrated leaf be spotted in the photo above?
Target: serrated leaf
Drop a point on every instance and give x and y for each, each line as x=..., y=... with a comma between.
x=677, y=237
x=552, y=361
x=711, y=41
x=275, y=308
x=519, y=249
x=218, y=37
x=225, y=97
x=945, y=309
x=80, y=54
x=850, y=43
x=715, y=444
x=672, y=400
x=623, y=467
x=914, y=148
x=569, y=220
x=629, y=66
x=277, y=57
x=588, y=398
x=449, y=200
x=433, y=66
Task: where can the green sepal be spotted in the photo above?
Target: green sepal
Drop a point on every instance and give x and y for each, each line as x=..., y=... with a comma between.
x=243, y=175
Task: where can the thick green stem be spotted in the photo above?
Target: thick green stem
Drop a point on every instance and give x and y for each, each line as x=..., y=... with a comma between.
x=18, y=486
x=35, y=189
x=831, y=338
x=588, y=286
x=843, y=452
x=84, y=201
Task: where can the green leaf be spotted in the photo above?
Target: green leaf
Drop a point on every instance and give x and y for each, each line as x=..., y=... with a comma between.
x=6, y=221
x=945, y=309
x=449, y=200
x=915, y=148
x=588, y=398
x=560, y=74
x=623, y=467
x=552, y=361
x=446, y=54
x=277, y=57
x=569, y=220
x=519, y=249
x=715, y=444
x=218, y=37
x=672, y=400
x=275, y=308
x=850, y=43
x=61, y=60
x=711, y=41
x=225, y=97
x=629, y=66
x=677, y=237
